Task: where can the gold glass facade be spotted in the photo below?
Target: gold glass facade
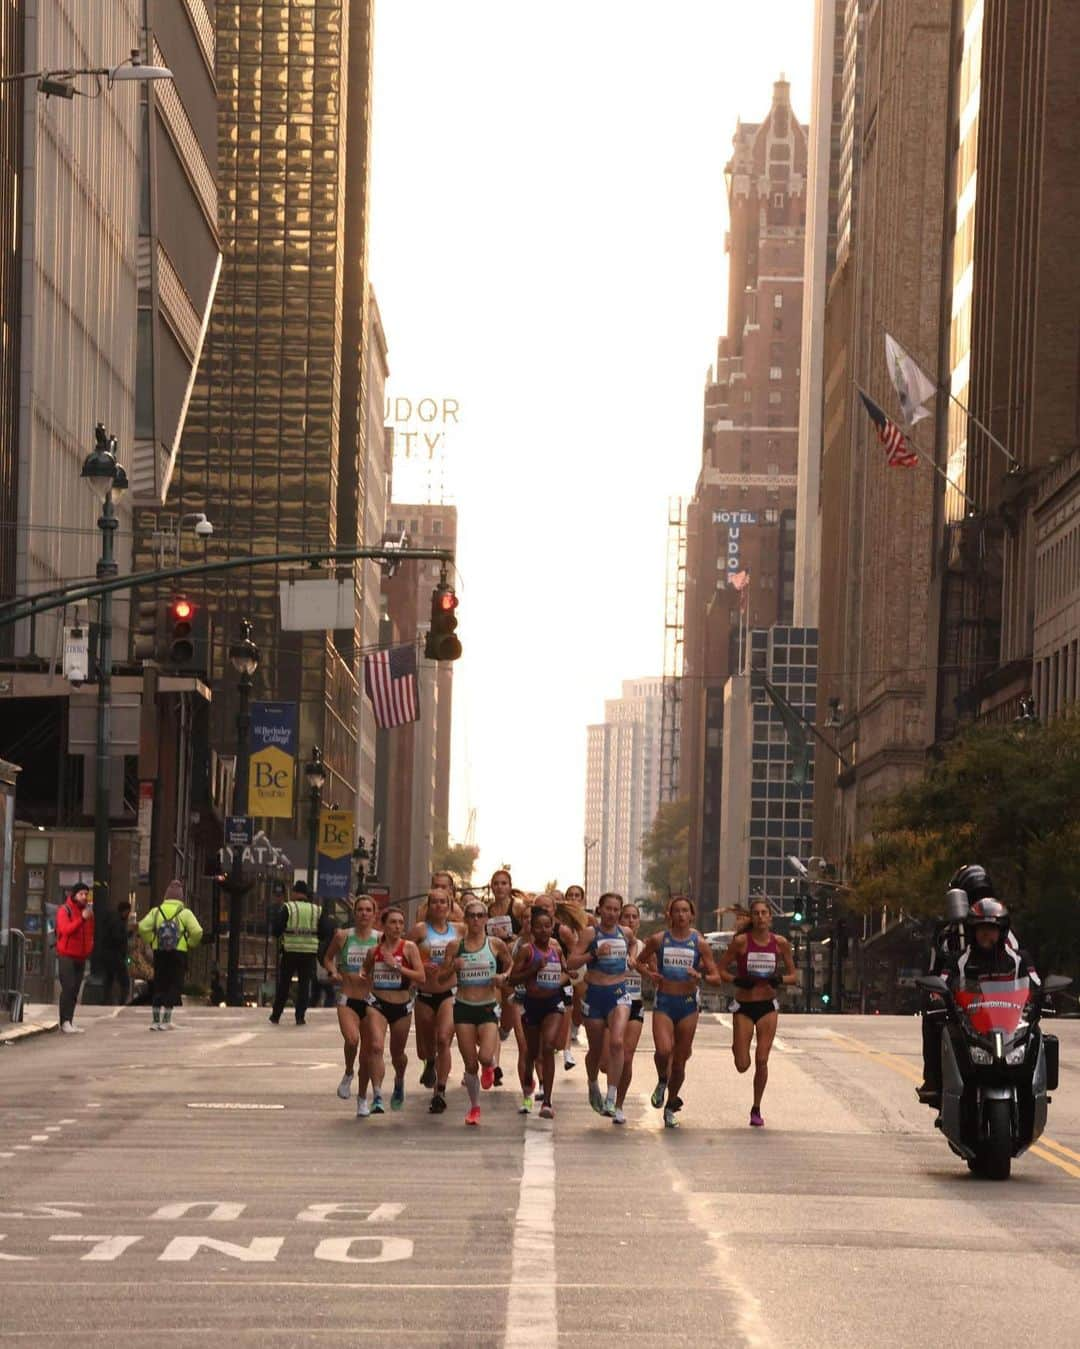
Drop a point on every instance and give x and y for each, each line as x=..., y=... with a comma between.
x=261, y=452
x=10, y=168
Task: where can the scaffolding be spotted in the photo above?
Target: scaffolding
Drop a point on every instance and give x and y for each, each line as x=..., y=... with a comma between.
x=674, y=608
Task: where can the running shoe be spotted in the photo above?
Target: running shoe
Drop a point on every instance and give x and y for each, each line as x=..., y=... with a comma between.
x=488, y=1076
x=530, y=1086
x=274, y=1020
x=363, y=1110
x=344, y=1087
x=670, y=1122
x=618, y=1117
x=609, y=1108
x=397, y=1097
x=568, y=1060
x=755, y=1118
x=596, y=1099
x=525, y=1108
x=438, y=1104
x=656, y=1100
x=575, y=1036
x=538, y=1095
x=473, y=1117
x=377, y=1107
x=427, y=1077
x=675, y=1102
x=547, y=1111
x=498, y=1077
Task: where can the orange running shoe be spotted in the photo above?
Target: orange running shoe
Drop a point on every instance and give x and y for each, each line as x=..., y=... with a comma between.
x=487, y=1077
x=473, y=1117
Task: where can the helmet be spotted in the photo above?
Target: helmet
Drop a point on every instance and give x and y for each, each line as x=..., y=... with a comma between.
x=957, y=905
x=975, y=881
x=988, y=913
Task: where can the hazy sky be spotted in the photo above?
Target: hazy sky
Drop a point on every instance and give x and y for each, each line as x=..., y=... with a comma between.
x=548, y=248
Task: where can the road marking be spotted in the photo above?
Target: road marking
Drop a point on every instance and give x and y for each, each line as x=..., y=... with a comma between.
x=7, y=1154
x=39, y=1138
x=22, y=1147
x=69, y=1121
x=52, y=1128
x=232, y=1105
x=778, y=1043
x=1065, y=1166
x=1047, y=1142
x=531, y=1307
x=232, y=1041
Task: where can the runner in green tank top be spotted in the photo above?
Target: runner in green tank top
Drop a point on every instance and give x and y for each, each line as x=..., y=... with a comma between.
x=344, y=962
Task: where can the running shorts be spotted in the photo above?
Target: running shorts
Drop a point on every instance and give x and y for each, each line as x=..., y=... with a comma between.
x=756, y=1010
x=392, y=1011
x=602, y=999
x=475, y=1014
x=675, y=1005
x=537, y=1009
x=435, y=1000
x=637, y=1010
x=357, y=1005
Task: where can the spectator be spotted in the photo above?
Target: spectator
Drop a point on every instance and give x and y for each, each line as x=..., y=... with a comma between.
x=113, y=938
x=74, y=943
x=171, y=931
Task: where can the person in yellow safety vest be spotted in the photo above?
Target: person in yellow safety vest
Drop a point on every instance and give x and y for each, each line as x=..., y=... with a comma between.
x=171, y=930
x=297, y=925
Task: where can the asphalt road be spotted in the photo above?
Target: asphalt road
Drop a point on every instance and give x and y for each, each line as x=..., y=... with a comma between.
x=142, y=1204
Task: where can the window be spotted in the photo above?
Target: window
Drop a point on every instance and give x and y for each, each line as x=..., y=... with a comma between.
x=778, y=199
x=772, y=516
x=436, y=526
x=778, y=300
x=776, y=398
x=776, y=372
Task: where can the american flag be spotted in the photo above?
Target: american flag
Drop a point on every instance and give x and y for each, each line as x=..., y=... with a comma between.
x=898, y=452
x=390, y=683
x=740, y=581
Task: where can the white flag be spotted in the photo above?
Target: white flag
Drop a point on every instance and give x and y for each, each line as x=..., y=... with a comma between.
x=913, y=385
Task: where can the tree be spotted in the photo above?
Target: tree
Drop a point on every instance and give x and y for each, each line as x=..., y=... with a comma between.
x=1001, y=796
x=457, y=858
x=665, y=850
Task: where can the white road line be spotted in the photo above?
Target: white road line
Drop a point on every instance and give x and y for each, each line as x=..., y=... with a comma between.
x=7, y=1154
x=52, y=1128
x=531, y=1307
x=781, y=1045
x=39, y=1138
x=69, y=1121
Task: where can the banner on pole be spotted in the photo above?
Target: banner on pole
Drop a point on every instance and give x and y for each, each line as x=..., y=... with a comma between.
x=335, y=853
x=272, y=765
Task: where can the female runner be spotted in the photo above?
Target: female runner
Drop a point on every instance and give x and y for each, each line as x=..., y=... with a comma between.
x=504, y=923
x=674, y=960
x=434, y=1014
x=756, y=957
x=540, y=967
x=479, y=963
x=392, y=967
x=446, y=881
x=575, y=899
x=344, y=962
x=604, y=951
x=630, y=918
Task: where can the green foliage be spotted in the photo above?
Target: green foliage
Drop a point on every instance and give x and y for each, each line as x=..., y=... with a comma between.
x=666, y=850
x=999, y=796
x=457, y=858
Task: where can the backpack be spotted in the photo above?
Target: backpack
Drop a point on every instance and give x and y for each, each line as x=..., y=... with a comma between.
x=169, y=931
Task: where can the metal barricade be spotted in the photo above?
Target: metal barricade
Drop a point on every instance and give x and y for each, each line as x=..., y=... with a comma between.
x=13, y=975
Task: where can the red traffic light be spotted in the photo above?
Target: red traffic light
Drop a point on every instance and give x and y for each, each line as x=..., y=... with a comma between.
x=182, y=610
x=446, y=600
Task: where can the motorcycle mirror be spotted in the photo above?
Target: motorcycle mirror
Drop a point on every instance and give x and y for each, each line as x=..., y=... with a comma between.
x=933, y=983
x=1054, y=983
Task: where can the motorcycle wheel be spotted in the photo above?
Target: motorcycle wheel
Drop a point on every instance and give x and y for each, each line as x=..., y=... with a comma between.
x=996, y=1152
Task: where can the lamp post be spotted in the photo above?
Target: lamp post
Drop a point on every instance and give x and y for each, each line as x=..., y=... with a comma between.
x=244, y=656
x=61, y=83
x=590, y=844
x=315, y=775
x=101, y=472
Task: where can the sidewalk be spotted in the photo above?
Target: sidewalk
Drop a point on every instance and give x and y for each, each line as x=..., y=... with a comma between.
x=39, y=1018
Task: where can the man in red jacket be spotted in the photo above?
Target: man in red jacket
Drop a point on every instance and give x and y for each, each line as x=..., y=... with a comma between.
x=74, y=942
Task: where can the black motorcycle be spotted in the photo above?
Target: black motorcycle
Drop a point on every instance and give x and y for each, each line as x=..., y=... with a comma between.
x=997, y=1066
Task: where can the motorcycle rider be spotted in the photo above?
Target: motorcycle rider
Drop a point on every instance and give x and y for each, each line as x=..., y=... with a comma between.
x=990, y=951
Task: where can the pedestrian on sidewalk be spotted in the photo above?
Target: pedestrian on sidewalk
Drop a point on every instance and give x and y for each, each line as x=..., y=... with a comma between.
x=171, y=931
x=297, y=927
x=74, y=943
x=113, y=938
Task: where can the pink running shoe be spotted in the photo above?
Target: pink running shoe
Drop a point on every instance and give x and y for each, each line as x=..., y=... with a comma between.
x=487, y=1077
x=547, y=1111
x=755, y=1118
x=473, y=1117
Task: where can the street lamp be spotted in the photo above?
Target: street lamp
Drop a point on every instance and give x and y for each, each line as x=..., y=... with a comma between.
x=315, y=775
x=244, y=657
x=103, y=475
x=590, y=844
x=61, y=83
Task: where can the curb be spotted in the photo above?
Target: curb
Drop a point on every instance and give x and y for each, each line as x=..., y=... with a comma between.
x=21, y=1032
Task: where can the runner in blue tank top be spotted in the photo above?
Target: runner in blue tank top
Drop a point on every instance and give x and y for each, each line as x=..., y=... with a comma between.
x=762, y=963
x=676, y=960
x=603, y=951
x=434, y=1011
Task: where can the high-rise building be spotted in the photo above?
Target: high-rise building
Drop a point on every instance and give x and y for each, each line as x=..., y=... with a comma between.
x=275, y=443
x=622, y=787
x=742, y=515
x=11, y=118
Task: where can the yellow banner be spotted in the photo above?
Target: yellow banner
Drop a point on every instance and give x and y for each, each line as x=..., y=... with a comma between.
x=271, y=774
x=335, y=833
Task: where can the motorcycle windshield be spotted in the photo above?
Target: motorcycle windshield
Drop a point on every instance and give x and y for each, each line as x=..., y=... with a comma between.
x=994, y=1004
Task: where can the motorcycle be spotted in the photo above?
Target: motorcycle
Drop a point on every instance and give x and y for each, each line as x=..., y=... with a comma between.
x=997, y=1068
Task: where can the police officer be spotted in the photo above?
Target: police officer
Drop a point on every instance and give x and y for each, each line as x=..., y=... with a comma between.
x=297, y=927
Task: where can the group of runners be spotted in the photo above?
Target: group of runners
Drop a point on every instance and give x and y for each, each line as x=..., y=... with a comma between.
x=538, y=967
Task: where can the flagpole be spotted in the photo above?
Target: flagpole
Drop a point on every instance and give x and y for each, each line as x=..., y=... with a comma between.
x=925, y=458
x=965, y=410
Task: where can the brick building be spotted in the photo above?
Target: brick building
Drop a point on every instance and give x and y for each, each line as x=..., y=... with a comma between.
x=742, y=514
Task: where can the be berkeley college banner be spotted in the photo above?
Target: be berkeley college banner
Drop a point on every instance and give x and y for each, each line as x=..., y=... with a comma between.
x=272, y=765
x=335, y=853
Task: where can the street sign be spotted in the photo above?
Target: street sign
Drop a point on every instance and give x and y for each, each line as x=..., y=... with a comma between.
x=238, y=831
x=76, y=654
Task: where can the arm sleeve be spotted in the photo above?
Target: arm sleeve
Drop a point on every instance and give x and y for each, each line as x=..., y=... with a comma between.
x=192, y=929
x=65, y=923
x=281, y=919
x=146, y=928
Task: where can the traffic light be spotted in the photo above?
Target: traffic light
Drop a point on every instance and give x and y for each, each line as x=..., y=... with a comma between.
x=148, y=633
x=442, y=642
x=187, y=637
x=797, y=917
